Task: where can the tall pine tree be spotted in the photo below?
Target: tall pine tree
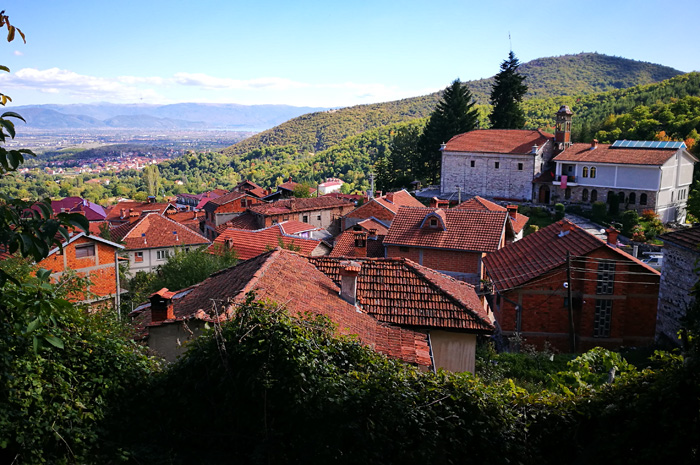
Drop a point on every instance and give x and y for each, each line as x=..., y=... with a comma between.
x=506, y=95
x=454, y=114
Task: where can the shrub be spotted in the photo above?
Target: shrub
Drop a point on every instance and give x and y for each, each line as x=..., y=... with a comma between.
x=630, y=219
x=649, y=214
x=599, y=211
x=560, y=210
x=532, y=229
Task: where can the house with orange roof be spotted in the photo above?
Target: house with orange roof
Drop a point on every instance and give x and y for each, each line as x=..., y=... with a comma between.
x=432, y=323
x=642, y=175
x=382, y=208
x=564, y=286
x=365, y=239
x=452, y=241
x=321, y=212
x=224, y=208
x=517, y=220
x=128, y=211
x=89, y=256
x=153, y=238
x=248, y=244
x=286, y=191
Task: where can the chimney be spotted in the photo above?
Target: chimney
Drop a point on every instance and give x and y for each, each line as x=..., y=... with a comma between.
x=534, y=148
x=162, y=306
x=379, y=193
x=434, y=202
x=349, y=270
x=390, y=197
x=564, y=228
x=292, y=204
x=360, y=244
x=612, y=236
x=594, y=144
x=512, y=211
x=123, y=212
x=177, y=238
x=373, y=233
x=290, y=178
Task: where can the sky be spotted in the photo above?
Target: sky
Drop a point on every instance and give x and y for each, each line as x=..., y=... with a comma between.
x=314, y=53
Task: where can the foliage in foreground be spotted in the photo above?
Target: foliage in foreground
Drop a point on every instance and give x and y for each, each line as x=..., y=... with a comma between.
x=268, y=388
x=60, y=370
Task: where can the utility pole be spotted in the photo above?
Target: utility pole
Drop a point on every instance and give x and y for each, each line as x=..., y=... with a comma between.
x=572, y=335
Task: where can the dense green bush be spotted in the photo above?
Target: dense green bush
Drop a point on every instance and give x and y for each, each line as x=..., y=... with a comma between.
x=560, y=211
x=599, y=212
x=630, y=218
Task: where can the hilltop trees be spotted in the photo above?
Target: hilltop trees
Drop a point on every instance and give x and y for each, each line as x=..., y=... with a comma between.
x=507, y=93
x=454, y=114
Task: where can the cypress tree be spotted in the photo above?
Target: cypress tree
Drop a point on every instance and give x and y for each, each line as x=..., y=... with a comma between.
x=507, y=93
x=454, y=114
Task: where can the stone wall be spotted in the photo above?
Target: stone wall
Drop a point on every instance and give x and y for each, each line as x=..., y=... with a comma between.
x=678, y=276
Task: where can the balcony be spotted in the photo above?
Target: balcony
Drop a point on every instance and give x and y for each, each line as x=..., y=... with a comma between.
x=570, y=180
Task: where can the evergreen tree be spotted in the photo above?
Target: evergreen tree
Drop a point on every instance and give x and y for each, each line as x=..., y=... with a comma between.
x=506, y=95
x=454, y=114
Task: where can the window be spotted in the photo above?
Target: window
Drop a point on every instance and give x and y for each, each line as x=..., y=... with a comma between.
x=497, y=165
x=138, y=257
x=520, y=166
x=585, y=172
x=606, y=277
x=567, y=193
x=643, y=199
x=592, y=171
x=632, y=199
x=671, y=196
x=162, y=254
x=601, y=323
x=621, y=197
x=433, y=222
x=318, y=217
x=85, y=250
x=594, y=195
x=472, y=163
x=305, y=219
x=584, y=195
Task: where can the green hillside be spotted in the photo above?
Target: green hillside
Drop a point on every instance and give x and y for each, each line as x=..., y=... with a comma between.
x=580, y=74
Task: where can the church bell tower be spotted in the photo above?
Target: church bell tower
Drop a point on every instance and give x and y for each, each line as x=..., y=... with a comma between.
x=562, y=134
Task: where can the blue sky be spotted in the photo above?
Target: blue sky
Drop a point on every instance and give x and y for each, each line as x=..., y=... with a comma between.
x=314, y=53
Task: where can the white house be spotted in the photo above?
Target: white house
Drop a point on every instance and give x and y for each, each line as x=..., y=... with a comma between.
x=331, y=185
x=644, y=175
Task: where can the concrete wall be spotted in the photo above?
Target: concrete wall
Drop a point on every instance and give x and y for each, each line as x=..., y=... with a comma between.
x=453, y=351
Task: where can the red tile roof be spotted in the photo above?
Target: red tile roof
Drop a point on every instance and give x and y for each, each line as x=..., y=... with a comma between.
x=513, y=141
x=159, y=232
x=399, y=199
x=290, y=185
x=466, y=230
x=480, y=203
x=216, y=202
x=402, y=292
x=133, y=209
x=688, y=238
x=245, y=220
x=541, y=252
x=249, y=244
x=294, y=283
x=373, y=223
x=344, y=245
x=293, y=227
x=603, y=153
x=298, y=205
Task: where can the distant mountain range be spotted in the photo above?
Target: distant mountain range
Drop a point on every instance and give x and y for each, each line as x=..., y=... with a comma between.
x=180, y=116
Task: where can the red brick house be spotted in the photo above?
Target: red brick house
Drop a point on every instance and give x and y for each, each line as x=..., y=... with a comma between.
x=224, y=208
x=365, y=239
x=562, y=276
x=517, y=220
x=451, y=241
x=382, y=208
x=128, y=211
x=321, y=212
x=90, y=256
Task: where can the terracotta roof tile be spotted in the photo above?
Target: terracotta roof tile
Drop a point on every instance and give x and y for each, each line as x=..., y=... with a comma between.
x=513, y=141
x=603, y=153
x=290, y=280
x=159, y=232
x=249, y=244
x=541, y=252
x=398, y=199
x=402, y=292
x=298, y=205
x=137, y=209
x=480, y=203
x=293, y=227
x=688, y=238
x=466, y=230
x=373, y=223
x=344, y=245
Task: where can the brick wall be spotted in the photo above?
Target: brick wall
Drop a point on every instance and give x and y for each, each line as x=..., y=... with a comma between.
x=441, y=260
x=545, y=315
x=368, y=210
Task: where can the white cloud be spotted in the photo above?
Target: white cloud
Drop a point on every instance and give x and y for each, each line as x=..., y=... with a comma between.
x=18, y=53
x=210, y=82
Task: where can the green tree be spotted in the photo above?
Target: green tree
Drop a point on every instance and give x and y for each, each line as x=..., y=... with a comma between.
x=302, y=191
x=507, y=93
x=151, y=178
x=454, y=114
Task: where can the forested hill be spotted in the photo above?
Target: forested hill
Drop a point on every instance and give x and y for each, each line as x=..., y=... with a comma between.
x=580, y=74
x=583, y=73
